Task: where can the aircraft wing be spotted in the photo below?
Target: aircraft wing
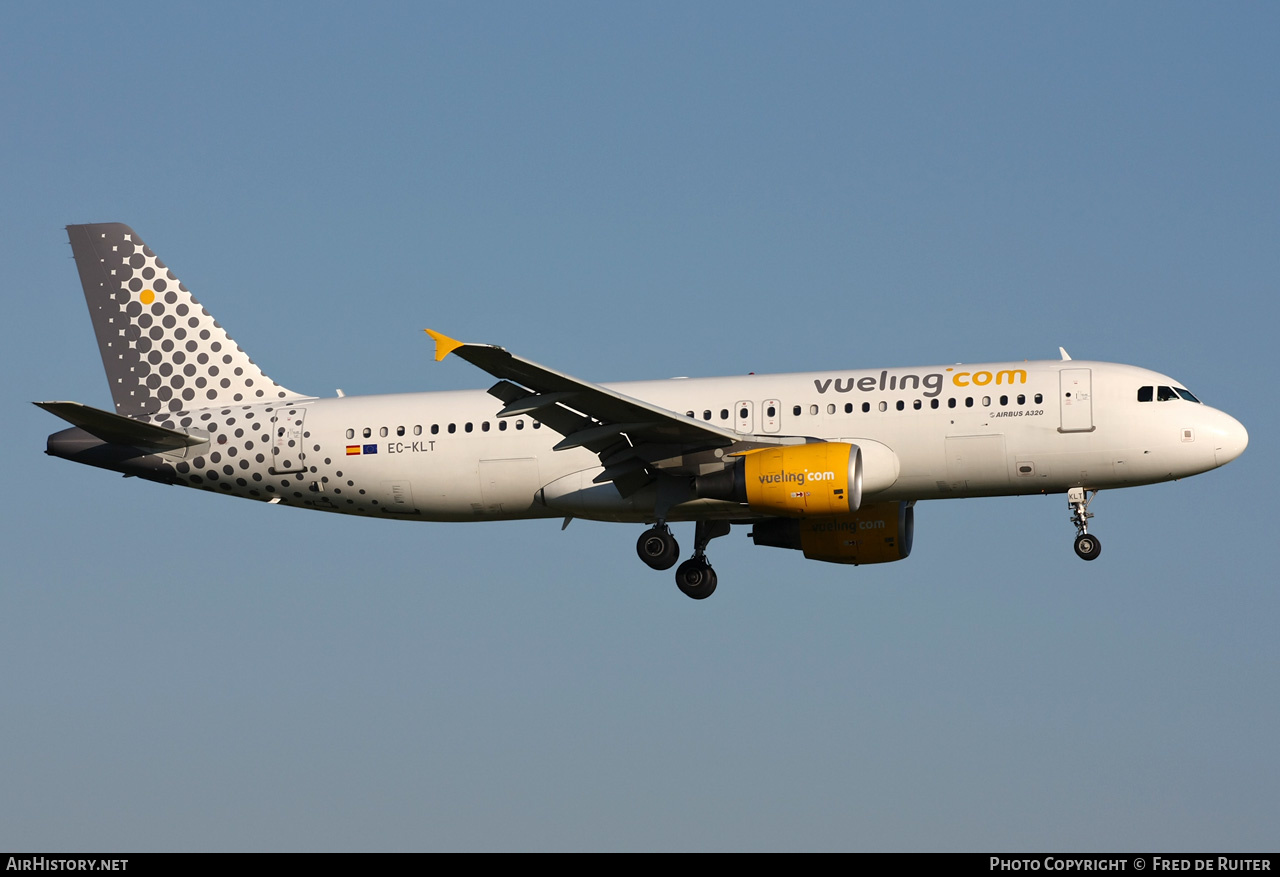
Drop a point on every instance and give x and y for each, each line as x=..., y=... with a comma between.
x=627, y=433
x=608, y=413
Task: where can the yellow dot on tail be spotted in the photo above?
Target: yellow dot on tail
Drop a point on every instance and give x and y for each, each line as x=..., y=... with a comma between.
x=147, y=296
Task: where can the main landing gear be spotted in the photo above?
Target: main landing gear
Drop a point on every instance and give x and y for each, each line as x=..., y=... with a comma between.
x=695, y=578
x=1087, y=547
x=657, y=547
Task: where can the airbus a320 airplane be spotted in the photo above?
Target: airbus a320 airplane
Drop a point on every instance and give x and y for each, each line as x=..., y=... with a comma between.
x=829, y=463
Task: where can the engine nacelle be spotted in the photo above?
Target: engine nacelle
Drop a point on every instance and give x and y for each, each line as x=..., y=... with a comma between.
x=818, y=479
x=878, y=533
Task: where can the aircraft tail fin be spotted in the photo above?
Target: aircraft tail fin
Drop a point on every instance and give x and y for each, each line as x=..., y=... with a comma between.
x=163, y=352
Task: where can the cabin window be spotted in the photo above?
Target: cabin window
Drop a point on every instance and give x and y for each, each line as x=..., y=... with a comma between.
x=1022, y=400
x=1146, y=394
x=951, y=403
x=795, y=411
x=706, y=415
x=453, y=427
x=848, y=408
x=986, y=401
x=688, y=414
x=417, y=429
x=901, y=405
x=435, y=429
x=1004, y=400
x=502, y=426
x=1166, y=394
x=537, y=424
x=866, y=406
x=1039, y=398
x=813, y=409
x=467, y=427
x=484, y=427
x=884, y=406
x=933, y=403
x=743, y=413
x=772, y=411
x=724, y=413
x=368, y=432
x=831, y=408
x=519, y=424
x=399, y=430
x=968, y=401
x=917, y=404
x=351, y=433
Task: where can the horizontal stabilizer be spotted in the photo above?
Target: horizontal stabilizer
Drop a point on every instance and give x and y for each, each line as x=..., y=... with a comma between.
x=119, y=430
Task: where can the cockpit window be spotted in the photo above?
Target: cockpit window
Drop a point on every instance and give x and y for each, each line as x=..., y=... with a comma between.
x=1165, y=394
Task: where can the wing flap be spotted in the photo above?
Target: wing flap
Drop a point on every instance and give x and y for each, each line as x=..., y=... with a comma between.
x=530, y=404
x=594, y=434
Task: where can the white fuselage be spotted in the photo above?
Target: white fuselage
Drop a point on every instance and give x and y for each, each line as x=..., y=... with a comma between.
x=828, y=463
x=925, y=433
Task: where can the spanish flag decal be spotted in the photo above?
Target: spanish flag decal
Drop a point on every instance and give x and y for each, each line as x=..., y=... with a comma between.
x=353, y=450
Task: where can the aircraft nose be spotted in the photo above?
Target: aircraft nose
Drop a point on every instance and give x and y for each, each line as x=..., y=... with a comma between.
x=1233, y=438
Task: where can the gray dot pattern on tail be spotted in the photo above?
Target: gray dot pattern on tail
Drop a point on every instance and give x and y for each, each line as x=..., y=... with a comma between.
x=169, y=353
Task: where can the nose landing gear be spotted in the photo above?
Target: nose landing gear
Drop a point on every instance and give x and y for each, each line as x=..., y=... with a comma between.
x=1087, y=547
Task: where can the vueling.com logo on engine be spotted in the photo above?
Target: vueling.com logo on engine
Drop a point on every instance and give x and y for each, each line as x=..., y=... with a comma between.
x=785, y=477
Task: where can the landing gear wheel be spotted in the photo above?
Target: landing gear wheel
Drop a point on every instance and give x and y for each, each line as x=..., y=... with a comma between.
x=695, y=578
x=1088, y=547
x=658, y=548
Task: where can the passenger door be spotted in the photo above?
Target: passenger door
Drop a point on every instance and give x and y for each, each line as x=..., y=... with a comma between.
x=287, y=451
x=1075, y=397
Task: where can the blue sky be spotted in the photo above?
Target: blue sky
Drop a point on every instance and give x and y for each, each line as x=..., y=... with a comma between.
x=633, y=192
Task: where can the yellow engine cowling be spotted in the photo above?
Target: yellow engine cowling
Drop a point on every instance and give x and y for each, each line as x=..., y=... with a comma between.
x=877, y=533
x=818, y=479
